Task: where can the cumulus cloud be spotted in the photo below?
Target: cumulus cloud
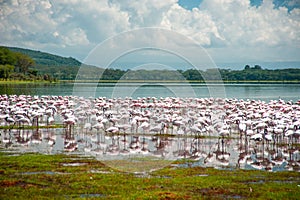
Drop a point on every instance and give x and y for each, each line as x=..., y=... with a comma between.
x=59, y=24
x=144, y=13
x=24, y=20
x=219, y=25
x=252, y=26
x=195, y=24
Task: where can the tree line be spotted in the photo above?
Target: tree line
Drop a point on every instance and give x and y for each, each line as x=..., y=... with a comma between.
x=257, y=73
x=254, y=74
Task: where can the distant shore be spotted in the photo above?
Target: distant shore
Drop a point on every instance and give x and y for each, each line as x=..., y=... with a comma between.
x=24, y=82
x=154, y=81
x=182, y=81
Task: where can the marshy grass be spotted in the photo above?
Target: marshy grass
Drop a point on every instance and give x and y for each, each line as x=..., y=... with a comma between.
x=37, y=176
x=29, y=127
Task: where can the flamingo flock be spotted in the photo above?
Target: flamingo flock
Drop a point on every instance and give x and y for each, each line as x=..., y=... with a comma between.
x=267, y=123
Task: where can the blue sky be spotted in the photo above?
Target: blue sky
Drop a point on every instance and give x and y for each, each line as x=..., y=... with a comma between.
x=188, y=4
x=230, y=31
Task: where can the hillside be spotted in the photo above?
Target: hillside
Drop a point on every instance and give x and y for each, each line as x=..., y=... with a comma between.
x=46, y=59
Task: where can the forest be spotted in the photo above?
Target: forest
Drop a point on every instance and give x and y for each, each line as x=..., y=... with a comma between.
x=25, y=64
x=19, y=66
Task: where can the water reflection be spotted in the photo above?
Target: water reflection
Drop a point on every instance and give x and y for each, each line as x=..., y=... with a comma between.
x=222, y=152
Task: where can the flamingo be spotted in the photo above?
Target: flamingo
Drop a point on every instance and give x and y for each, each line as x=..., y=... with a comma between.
x=145, y=126
x=157, y=129
x=70, y=121
x=258, y=120
x=112, y=129
x=9, y=120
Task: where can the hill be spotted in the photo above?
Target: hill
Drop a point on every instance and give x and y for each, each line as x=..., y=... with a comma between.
x=46, y=59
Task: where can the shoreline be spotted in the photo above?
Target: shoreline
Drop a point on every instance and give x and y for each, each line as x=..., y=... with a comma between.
x=183, y=81
x=27, y=82
x=155, y=81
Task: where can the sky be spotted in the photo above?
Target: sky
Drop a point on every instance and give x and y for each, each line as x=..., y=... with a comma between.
x=231, y=32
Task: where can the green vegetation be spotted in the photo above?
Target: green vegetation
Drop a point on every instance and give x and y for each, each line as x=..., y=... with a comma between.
x=36, y=176
x=256, y=73
x=25, y=64
x=19, y=66
x=46, y=59
x=50, y=66
x=190, y=75
x=251, y=75
x=28, y=127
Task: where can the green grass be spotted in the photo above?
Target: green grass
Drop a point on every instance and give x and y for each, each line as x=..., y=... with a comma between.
x=29, y=127
x=36, y=176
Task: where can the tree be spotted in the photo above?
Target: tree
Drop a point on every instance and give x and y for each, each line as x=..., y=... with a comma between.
x=257, y=67
x=6, y=70
x=247, y=67
x=33, y=72
x=7, y=57
x=23, y=63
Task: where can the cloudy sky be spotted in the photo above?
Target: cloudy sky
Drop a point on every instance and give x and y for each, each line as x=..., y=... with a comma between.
x=230, y=31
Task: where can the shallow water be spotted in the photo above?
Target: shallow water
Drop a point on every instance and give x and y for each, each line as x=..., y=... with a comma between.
x=221, y=153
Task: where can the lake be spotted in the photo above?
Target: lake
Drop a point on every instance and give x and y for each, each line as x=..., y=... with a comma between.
x=264, y=92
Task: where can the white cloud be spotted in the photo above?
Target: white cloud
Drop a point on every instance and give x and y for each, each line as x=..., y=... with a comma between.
x=98, y=19
x=243, y=25
x=144, y=13
x=76, y=26
x=59, y=24
x=194, y=24
x=24, y=20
